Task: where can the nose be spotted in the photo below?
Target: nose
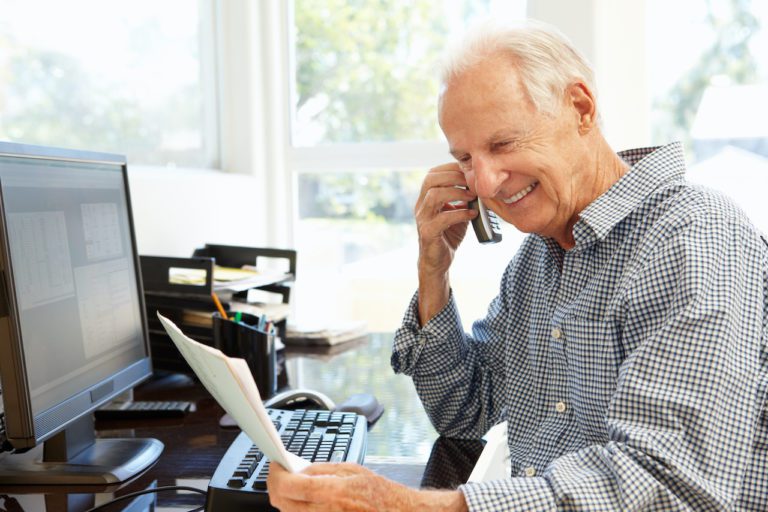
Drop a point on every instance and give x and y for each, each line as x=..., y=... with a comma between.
x=488, y=177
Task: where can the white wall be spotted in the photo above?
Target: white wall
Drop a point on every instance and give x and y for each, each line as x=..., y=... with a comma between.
x=178, y=210
x=244, y=203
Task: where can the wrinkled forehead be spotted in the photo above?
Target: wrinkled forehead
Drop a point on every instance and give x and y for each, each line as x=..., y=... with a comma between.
x=491, y=84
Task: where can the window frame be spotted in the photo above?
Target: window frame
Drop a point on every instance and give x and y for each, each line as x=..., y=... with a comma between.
x=269, y=39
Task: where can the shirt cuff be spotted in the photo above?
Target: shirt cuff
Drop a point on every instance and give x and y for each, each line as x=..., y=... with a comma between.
x=513, y=494
x=411, y=339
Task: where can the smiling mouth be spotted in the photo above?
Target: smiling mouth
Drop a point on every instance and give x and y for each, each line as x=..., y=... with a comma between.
x=527, y=190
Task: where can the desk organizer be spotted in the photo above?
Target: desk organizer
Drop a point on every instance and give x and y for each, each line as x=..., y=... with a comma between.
x=253, y=342
x=189, y=304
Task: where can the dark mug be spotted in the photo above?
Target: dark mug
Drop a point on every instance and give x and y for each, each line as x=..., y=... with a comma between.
x=244, y=339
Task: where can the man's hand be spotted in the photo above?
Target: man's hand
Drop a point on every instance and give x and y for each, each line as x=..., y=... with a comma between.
x=351, y=487
x=441, y=219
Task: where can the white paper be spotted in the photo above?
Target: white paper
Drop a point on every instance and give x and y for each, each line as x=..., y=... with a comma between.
x=230, y=382
x=493, y=463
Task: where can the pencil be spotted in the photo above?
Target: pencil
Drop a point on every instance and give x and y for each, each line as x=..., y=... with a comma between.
x=219, y=306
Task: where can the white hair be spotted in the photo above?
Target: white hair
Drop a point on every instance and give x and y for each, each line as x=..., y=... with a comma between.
x=545, y=59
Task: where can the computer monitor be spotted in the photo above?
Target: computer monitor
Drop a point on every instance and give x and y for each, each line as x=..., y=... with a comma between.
x=73, y=330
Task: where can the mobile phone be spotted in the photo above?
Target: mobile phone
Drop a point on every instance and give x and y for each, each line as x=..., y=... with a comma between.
x=486, y=224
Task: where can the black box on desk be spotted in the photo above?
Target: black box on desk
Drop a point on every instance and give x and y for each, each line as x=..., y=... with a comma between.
x=250, y=338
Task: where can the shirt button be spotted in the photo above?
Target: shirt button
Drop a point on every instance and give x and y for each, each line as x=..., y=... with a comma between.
x=530, y=471
x=557, y=333
x=560, y=407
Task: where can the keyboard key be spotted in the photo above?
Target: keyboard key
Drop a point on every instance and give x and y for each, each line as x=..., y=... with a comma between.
x=237, y=482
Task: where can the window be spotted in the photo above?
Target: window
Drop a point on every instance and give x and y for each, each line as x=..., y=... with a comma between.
x=364, y=133
x=710, y=92
x=124, y=77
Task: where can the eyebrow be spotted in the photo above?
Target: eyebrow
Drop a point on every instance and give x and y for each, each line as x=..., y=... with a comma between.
x=500, y=135
x=505, y=134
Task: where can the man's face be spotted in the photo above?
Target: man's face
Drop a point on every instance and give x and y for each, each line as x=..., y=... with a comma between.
x=525, y=166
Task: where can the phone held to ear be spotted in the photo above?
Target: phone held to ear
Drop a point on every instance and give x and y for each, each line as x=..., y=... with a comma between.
x=486, y=224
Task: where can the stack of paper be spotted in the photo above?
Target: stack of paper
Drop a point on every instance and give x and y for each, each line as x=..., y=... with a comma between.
x=241, y=279
x=227, y=278
x=230, y=382
x=326, y=333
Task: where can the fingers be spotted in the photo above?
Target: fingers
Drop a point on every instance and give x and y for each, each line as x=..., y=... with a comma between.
x=442, y=184
x=432, y=223
x=439, y=199
x=334, y=487
x=337, y=469
x=441, y=216
x=442, y=201
x=316, y=484
x=286, y=489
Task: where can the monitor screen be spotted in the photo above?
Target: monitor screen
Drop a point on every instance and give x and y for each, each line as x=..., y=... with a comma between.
x=73, y=332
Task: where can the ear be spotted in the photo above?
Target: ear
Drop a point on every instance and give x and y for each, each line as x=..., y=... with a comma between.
x=583, y=102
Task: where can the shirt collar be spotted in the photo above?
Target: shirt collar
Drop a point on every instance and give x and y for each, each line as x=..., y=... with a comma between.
x=650, y=169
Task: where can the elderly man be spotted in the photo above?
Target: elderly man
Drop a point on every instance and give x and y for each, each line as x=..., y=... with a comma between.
x=627, y=345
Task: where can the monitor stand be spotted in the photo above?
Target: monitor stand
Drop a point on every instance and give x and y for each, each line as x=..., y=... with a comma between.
x=75, y=457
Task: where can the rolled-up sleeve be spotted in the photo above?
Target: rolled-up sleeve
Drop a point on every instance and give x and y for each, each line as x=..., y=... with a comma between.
x=427, y=349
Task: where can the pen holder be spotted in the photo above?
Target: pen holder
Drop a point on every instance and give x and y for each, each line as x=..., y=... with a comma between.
x=245, y=340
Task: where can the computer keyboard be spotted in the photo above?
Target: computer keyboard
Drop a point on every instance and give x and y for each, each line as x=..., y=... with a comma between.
x=240, y=480
x=134, y=410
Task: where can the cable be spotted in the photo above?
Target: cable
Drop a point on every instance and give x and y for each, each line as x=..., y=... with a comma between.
x=149, y=491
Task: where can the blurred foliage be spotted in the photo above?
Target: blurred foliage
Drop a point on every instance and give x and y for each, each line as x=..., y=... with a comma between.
x=51, y=98
x=364, y=195
x=367, y=71
x=370, y=67
x=728, y=58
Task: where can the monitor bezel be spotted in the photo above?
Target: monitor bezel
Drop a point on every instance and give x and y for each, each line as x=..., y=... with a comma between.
x=24, y=429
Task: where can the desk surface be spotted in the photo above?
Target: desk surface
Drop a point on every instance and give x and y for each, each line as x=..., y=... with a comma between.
x=404, y=430
x=399, y=444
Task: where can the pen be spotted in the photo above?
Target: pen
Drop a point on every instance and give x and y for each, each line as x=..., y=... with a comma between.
x=219, y=306
x=238, y=316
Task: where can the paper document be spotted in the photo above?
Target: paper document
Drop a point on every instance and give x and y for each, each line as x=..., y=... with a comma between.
x=230, y=382
x=241, y=279
x=493, y=463
x=325, y=333
x=227, y=278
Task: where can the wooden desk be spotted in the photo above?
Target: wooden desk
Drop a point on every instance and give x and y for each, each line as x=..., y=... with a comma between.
x=399, y=444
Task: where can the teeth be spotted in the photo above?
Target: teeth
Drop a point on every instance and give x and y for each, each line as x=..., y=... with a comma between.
x=515, y=198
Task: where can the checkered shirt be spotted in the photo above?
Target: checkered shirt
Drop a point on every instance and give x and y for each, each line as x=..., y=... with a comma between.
x=632, y=368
